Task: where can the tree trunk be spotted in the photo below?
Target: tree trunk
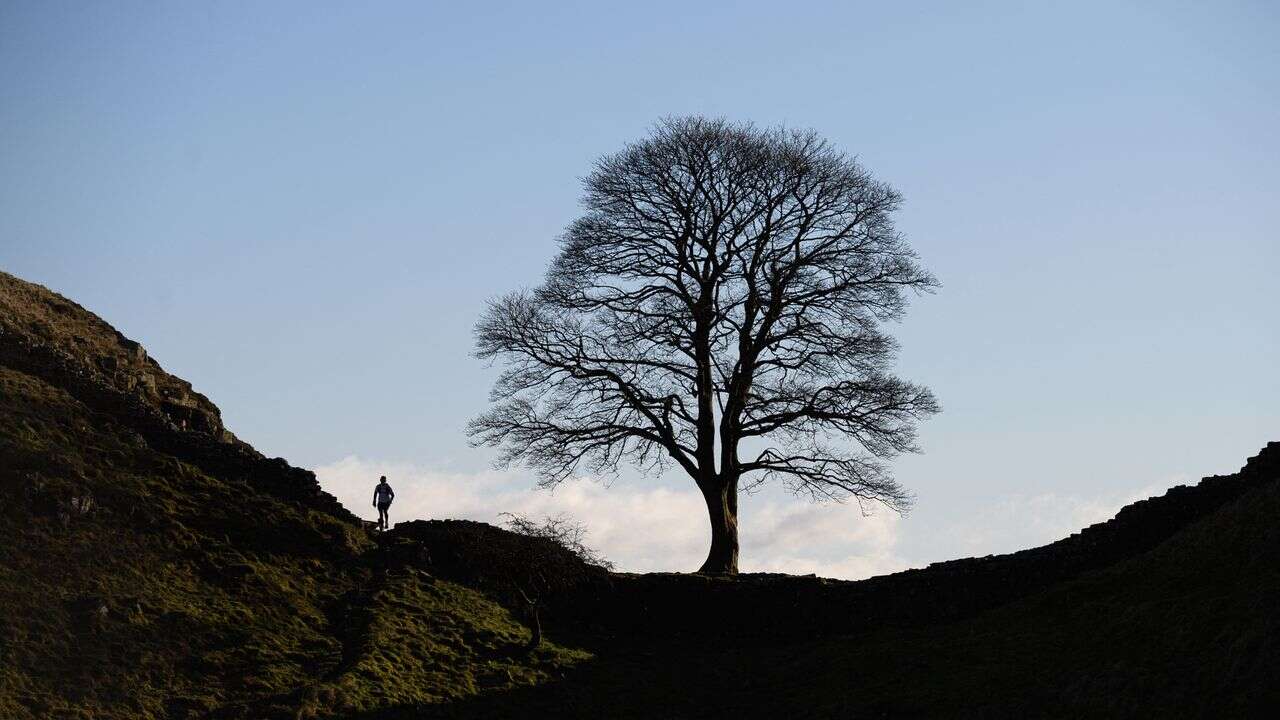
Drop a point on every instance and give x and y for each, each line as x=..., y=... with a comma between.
x=535, y=624
x=535, y=629
x=722, y=508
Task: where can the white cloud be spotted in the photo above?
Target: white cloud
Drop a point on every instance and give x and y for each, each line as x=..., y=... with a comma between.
x=829, y=539
x=1017, y=522
x=640, y=529
x=643, y=528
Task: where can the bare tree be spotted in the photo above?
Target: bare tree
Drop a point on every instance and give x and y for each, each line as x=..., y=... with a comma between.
x=719, y=305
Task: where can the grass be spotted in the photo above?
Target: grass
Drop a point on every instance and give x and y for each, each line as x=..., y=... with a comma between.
x=179, y=594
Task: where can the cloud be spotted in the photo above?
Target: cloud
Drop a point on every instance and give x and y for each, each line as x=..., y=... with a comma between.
x=829, y=539
x=644, y=528
x=639, y=528
x=1017, y=522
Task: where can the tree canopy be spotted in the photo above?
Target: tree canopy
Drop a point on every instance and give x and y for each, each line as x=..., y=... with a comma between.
x=719, y=306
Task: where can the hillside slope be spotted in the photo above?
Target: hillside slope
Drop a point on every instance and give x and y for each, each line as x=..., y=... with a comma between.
x=153, y=565
x=155, y=569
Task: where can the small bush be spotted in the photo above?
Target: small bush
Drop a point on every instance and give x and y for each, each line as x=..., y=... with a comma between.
x=560, y=529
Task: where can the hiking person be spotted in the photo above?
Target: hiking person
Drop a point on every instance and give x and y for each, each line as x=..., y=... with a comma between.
x=382, y=497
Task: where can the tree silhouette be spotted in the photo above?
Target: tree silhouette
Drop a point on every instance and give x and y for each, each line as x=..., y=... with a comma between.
x=719, y=305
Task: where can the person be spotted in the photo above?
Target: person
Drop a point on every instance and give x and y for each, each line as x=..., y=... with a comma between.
x=382, y=497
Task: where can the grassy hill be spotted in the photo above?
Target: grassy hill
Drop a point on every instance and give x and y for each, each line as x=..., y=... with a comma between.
x=152, y=570
x=153, y=565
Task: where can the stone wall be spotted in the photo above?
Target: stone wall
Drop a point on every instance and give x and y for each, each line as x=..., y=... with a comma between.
x=788, y=606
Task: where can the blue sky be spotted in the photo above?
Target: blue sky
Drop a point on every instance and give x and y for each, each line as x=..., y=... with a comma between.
x=302, y=207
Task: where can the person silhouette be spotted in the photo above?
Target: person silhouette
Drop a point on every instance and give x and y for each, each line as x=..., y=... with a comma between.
x=382, y=497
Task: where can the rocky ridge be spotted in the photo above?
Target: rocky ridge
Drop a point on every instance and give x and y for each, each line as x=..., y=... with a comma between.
x=50, y=337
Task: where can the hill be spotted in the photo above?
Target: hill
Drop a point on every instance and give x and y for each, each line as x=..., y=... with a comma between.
x=156, y=566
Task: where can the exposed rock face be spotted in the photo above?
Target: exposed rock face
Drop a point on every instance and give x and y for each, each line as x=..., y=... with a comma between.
x=50, y=337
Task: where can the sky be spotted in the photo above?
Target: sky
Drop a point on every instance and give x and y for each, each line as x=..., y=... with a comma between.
x=303, y=207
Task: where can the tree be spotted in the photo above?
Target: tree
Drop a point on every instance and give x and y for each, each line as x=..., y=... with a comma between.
x=718, y=306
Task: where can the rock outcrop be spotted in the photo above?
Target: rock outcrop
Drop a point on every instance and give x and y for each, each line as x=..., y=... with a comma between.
x=50, y=337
